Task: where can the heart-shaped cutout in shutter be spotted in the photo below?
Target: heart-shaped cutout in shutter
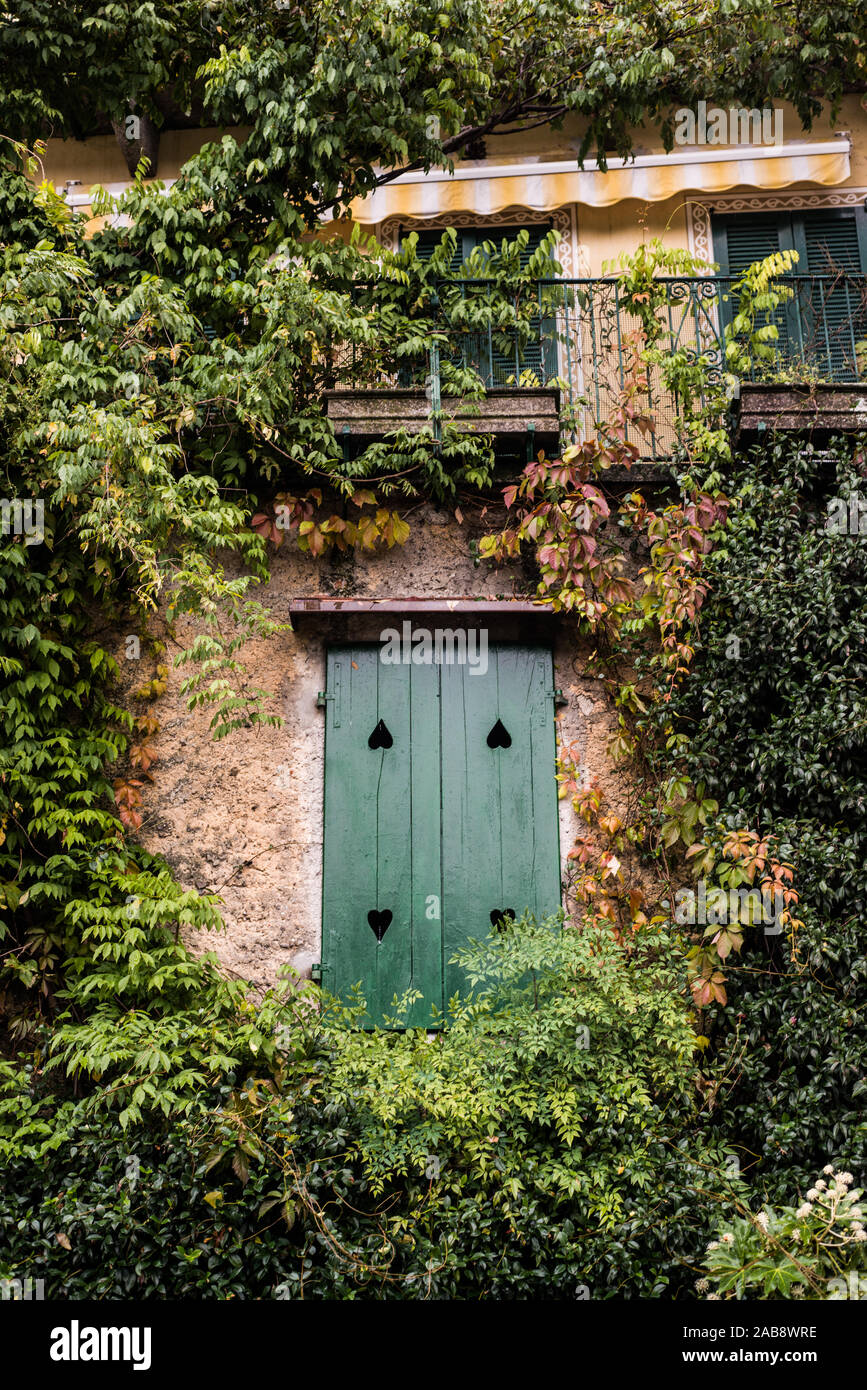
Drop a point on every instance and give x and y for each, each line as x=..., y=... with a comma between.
x=379, y=922
x=499, y=737
x=501, y=916
x=381, y=736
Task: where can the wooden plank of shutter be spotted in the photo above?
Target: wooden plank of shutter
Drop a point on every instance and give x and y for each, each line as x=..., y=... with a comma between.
x=500, y=824
x=471, y=838
x=367, y=851
x=528, y=795
x=390, y=771
x=426, y=966
x=349, y=858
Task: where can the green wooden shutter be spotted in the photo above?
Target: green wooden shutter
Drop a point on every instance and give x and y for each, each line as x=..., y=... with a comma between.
x=833, y=241
x=822, y=323
x=498, y=235
x=497, y=362
x=428, y=241
x=833, y=312
x=539, y=354
x=500, y=833
x=439, y=829
x=381, y=831
x=470, y=237
x=740, y=241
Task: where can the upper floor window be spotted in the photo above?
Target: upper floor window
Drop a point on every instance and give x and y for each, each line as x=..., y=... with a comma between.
x=827, y=240
x=497, y=356
x=825, y=321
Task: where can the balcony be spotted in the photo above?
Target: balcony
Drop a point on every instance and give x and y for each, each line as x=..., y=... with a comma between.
x=554, y=361
x=512, y=415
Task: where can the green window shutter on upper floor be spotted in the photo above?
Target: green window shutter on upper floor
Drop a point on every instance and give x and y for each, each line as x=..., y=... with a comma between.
x=825, y=240
x=468, y=238
x=434, y=828
x=536, y=362
x=821, y=325
x=499, y=363
x=741, y=241
x=428, y=241
x=836, y=315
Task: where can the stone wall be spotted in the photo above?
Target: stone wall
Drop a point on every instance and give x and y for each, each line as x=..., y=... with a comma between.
x=242, y=817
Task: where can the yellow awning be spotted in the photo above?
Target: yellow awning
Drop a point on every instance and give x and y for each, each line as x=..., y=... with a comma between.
x=486, y=189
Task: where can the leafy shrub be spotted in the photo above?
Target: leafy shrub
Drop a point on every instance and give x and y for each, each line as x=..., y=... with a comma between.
x=542, y=1146
x=793, y=1252
x=542, y=1139
x=777, y=728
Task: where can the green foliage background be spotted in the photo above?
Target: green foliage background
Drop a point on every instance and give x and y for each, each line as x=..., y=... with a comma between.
x=779, y=736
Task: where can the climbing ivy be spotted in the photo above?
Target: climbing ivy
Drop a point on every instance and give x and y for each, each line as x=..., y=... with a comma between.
x=161, y=406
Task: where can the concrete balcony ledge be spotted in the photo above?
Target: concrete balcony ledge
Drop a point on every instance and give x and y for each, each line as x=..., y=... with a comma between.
x=370, y=414
x=801, y=408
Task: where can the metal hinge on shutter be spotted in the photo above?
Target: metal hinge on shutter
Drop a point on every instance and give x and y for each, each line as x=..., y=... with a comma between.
x=324, y=696
x=543, y=674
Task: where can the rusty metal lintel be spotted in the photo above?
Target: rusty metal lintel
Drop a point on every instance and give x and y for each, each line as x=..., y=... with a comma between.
x=327, y=606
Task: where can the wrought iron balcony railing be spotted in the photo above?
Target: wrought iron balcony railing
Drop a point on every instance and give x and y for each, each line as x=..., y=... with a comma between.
x=581, y=335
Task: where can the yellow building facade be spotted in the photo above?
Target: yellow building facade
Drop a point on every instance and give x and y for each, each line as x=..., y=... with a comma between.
x=534, y=179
